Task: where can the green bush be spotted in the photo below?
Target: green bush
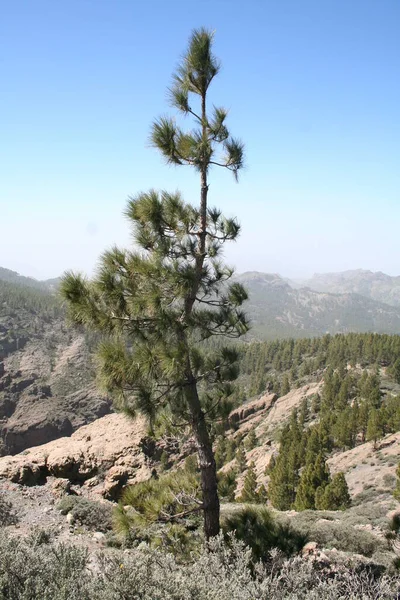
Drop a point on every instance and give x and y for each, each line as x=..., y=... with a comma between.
x=334, y=534
x=257, y=528
x=93, y=515
x=158, y=500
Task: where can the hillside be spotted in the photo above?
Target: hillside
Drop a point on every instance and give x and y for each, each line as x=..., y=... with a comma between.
x=10, y=276
x=309, y=386
x=376, y=286
x=279, y=311
x=46, y=373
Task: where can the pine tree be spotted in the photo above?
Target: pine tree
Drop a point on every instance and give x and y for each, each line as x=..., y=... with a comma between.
x=241, y=460
x=395, y=370
x=374, y=428
x=283, y=472
x=334, y=496
x=231, y=446
x=160, y=302
x=303, y=415
x=164, y=460
x=220, y=452
x=249, y=491
x=251, y=440
x=396, y=492
x=285, y=385
x=227, y=485
x=315, y=475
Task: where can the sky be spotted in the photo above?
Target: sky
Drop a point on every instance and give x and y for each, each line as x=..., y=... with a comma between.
x=312, y=88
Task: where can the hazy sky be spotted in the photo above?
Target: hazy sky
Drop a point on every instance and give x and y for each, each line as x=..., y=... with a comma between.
x=313, y=89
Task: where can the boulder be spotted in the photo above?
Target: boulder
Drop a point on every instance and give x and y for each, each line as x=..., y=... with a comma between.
x=109, y=448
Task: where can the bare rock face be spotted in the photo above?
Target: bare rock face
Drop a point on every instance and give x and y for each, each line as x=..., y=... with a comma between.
x=47, y=393
x=106, y=454
x=240, y=414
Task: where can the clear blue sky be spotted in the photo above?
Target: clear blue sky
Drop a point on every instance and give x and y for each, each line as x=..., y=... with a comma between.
x=313, y=89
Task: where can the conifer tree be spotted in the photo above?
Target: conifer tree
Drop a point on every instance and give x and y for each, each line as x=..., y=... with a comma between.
x=249, y=491
x=396, y=492
x=251, y=440
x=284, y=471
x=241, y=459
x=227, y=485
x=334, y=496
x=374, y=428
x=315, y=475
x=285, y=385
x=220, y=452
x=161, y=301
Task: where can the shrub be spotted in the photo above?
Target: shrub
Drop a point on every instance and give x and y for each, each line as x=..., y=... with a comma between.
x=93, y=515
x=340, y=536
x=257, y=528
x=222, y=571
x=33, y=572
x=7, y=513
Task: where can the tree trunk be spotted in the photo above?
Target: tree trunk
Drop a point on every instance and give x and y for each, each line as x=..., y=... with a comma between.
x=207, y=464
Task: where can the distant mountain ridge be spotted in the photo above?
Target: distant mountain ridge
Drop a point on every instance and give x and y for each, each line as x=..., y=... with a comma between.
x=359, y=301
x=13, y=277
x=374, y=285
x=279, y=310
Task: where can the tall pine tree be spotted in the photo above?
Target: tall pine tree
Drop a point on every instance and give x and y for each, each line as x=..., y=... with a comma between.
x=161, y=301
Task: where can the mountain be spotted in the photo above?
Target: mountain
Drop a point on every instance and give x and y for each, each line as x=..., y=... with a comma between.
x=46, y=373
x=279, y=310
x=376, y=286
x=10, y=276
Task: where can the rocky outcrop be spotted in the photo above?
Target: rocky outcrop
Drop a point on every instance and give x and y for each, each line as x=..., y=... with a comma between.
x=240, y=414
x=105, y=455
x=35, y=417
x=42, y=399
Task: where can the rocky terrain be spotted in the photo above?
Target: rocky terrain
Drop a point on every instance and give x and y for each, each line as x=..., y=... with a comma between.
x=60, y=438
x=47, y=387
x=100, y=459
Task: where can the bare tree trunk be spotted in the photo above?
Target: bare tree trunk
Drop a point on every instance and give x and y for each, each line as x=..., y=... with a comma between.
x=208, y=470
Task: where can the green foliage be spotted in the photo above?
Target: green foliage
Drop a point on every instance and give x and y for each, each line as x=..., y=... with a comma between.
x=159, y=303
x=284, y=473
x=257, y=528
x=374, y=427
x=221, y=451
x=313, y=480
x=93, y=515
x=227, y=485
x=164, y=460
x=396, y=492
x=220, y=571
x=330, y=531
x=241, y=460
x=29, y=571
x=251, y=440
x=191, y=464
x=334, y=496
x=249, y=492
x=172, y=497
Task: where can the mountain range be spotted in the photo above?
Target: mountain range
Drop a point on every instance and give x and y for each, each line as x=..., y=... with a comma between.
x=357, y=300
x=281, y=308
x=376, y=286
